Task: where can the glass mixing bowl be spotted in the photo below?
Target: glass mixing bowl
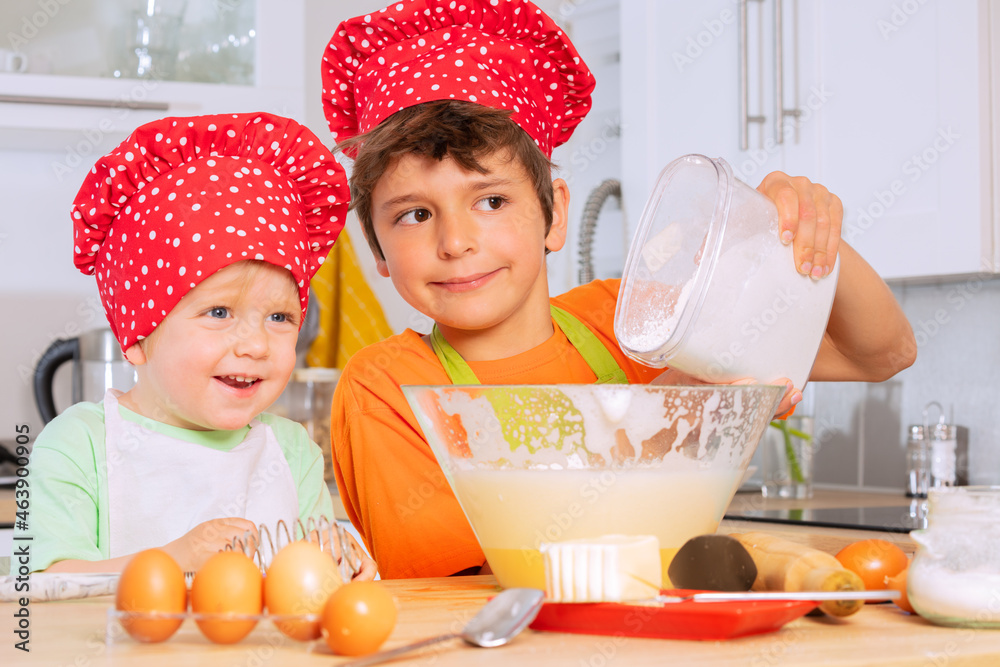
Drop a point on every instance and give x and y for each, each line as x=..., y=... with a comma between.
x=532, y=464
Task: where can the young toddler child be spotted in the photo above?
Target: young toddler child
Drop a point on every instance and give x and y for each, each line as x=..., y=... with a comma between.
x=203, y=234
x=451, y=112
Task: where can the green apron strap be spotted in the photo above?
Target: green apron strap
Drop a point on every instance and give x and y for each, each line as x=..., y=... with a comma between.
x=590, y=348
x=455, y=366
x=583, y=339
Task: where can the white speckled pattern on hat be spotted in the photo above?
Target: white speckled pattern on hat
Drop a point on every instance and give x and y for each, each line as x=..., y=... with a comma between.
x=505, y=54
x=182, y=198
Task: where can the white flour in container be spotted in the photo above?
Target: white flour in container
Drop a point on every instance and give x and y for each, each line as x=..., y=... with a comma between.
x=656, y=311
x=950, y=597
x=954, y=578
x=760, y=318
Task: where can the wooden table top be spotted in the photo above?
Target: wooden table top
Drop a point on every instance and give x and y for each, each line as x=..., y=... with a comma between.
x=73, y=632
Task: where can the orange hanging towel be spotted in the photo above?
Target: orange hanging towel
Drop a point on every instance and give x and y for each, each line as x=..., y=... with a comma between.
x=350, y=316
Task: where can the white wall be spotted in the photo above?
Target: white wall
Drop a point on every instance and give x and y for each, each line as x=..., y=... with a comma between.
x=44, y=297
x=322, y=18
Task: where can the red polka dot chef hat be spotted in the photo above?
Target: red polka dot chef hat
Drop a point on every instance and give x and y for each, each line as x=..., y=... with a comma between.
x=505, y=54
x=182, y=198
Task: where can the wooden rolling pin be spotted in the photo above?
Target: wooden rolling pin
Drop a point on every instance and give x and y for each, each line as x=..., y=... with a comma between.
x=788, y=566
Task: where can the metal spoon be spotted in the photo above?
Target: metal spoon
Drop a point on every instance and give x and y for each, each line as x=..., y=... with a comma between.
x=499, y=621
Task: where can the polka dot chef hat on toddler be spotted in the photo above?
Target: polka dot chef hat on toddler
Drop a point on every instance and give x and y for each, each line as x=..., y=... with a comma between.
x=182, y=198
x=505, y=54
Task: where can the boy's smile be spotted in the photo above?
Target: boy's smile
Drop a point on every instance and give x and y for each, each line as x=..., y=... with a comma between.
x=468, y=250
x=223, y=354
x=466, y=283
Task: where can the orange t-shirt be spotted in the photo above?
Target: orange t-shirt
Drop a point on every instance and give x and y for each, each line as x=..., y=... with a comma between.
x=392, y=487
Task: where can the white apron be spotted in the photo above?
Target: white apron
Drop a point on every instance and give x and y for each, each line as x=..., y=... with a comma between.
x=159, y=487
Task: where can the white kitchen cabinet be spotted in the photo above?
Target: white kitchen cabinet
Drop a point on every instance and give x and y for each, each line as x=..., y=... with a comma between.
x=681, y=87
x=83, y=110
x=897, y=102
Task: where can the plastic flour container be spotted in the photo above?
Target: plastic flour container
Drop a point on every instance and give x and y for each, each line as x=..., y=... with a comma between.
x=710, y=290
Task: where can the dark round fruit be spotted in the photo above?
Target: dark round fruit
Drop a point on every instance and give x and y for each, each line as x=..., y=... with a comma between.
x=712, y=563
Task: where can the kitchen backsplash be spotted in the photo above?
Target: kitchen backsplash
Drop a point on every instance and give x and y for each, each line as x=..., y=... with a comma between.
x=862, y=427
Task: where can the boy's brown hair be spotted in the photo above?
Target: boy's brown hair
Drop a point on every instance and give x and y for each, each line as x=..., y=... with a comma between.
x=464, y=131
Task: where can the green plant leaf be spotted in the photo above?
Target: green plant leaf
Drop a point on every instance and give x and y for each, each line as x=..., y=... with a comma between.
x=794, y=469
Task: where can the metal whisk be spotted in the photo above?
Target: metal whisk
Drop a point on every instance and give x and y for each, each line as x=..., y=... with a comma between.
x=330, y=536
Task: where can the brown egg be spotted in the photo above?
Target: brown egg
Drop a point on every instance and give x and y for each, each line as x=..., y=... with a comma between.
x=228, y=583
x=358, y=618
x=299, y=581
x=152, y=581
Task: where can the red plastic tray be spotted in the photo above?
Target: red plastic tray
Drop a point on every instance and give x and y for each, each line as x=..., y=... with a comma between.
x=675, y=620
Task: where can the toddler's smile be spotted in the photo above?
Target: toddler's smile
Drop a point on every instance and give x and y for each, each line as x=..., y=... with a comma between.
x=238, y=381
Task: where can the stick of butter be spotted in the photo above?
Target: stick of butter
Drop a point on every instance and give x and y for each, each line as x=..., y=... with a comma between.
x=612, y=568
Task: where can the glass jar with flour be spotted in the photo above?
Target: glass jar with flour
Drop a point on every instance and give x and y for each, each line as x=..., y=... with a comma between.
x=954, y=578
x=710, y=290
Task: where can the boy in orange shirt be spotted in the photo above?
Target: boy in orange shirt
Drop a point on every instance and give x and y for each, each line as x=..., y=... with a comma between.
x=451, y=114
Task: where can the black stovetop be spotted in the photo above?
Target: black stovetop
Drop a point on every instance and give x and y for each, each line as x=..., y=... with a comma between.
x=899, y=519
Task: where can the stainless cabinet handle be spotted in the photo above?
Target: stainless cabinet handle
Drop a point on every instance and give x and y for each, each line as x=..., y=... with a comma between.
x=85, y=102
x=780, y=112
x=745, y=117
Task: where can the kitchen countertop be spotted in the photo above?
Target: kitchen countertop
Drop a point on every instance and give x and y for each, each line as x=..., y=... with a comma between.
x=73, y=632
x=823, y=538
x=822, y=498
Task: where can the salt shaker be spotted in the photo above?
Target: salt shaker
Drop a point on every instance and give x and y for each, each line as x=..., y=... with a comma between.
x=935, y=454
x=918, y=463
